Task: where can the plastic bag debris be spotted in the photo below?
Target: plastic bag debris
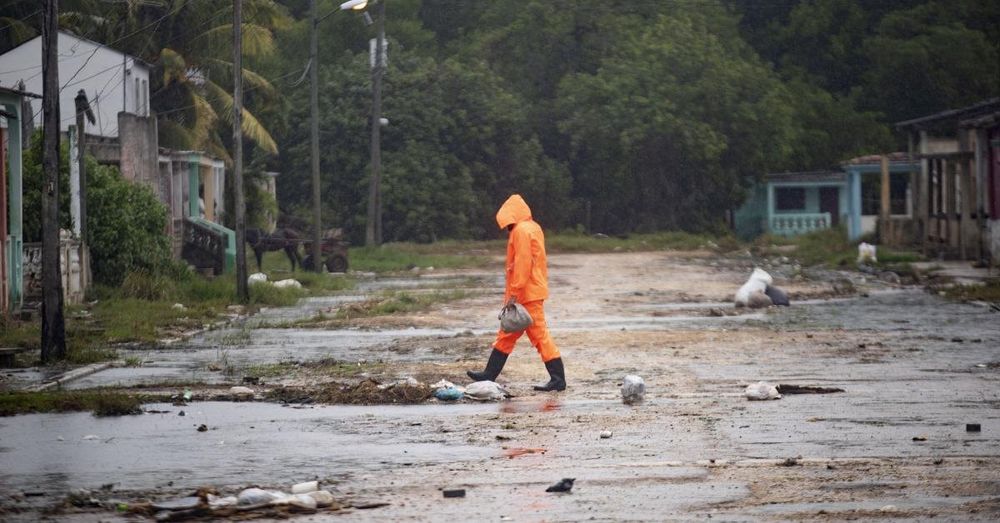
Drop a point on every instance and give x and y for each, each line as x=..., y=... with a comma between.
x=486, y=391
x=257, y=277
x=633, y=389
x=778, y=296
x=761, y=391
x=758, y=281
x=323, y=498
x=866, y=253
x=514, y=317
x=256, y=496
x=759, y=300
x=289, y=283
x=305, y=487
x=448, y=394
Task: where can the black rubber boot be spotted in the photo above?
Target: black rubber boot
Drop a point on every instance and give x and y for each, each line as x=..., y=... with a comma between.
x=557, y=376
x=493, y=367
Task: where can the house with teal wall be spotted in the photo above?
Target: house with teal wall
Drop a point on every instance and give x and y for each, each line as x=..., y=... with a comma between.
x=793, y=203
x=788, y=204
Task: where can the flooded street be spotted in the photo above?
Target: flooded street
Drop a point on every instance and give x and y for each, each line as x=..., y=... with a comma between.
x=915, y=369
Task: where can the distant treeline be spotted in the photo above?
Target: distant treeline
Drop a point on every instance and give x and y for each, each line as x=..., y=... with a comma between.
x=608, y=115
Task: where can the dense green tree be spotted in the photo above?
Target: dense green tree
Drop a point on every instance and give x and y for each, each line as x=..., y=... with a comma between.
x=674, y=123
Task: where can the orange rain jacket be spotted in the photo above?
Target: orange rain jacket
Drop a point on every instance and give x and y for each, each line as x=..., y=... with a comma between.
x=527, y=273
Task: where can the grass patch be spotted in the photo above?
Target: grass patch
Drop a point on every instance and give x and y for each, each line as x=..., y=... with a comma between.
x=395, y=257
x=343, y=369
x=395, y=302
x=831, y=247
x=988, y=292
x=100, y=402
x=270, y=370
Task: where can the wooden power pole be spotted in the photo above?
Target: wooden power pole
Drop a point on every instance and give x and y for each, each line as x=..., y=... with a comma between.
x=373, y=229
x=242, y=285
x=53, y=322
x=317, y=248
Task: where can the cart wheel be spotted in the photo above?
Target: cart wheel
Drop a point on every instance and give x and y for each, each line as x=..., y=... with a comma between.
x=307, y=263
x=336, y=263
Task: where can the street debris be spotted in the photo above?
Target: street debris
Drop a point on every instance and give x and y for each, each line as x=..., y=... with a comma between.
x=564, y=485
x=920, y=438
x=761, y=391
x=305, y=488
x=486, y=391
x=454, y=493
x=202, y=428
x=633, y=389
x=806, y=389
x=973, y=427
x=866, y=253
x=778, y=297
x=448, y=394
x=179, y=307
x=605, y=434
x=257, y=277
x=288, y=284
x=241, y=391
x=758, y=282
x=368, y=392
x=759, y=300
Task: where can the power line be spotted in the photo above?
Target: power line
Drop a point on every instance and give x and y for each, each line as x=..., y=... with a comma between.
x=12, y=24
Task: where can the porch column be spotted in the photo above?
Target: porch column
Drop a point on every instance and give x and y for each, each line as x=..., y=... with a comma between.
x=769, y=216
x=922, y=195
x=854, y=204
x=193, y=183
x=15, y=243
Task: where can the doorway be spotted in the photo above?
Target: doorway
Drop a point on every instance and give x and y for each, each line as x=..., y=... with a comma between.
x=829, y=201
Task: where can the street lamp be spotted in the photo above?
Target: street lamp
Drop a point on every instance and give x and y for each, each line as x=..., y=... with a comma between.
x=354, y=5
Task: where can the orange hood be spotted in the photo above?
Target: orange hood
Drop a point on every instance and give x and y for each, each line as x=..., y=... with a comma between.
x=514, y=210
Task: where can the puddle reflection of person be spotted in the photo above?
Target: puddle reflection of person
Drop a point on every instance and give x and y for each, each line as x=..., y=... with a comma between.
x=527, y=281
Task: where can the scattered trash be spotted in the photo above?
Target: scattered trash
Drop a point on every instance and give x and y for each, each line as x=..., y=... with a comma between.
x=759, y=300
x=866, y=253
x=323, y=498
x=408, y=382
x=257, y=277
x=179, y=306
x=806, y=389
x=778, y=296
x=181, y=413
x=514, y=317
x=973, y=427
x=605, y=434
x=501, y=437
x=305, y=488
x=288, y=284
x=454, y=493
x=759, y=280
x=187, y=395
x=241, y=391
x=303, y=501
x=256, y=496
x=486, y=391
x=91, y=437
x=216, y=502
x=761, y=391
x=920, y=438
x=187, y=503
x=448, y=394
x=790, y=462
x=564, y=485
x=888, y=508
x=202, y=427
x=633, y=389
x=444, y=384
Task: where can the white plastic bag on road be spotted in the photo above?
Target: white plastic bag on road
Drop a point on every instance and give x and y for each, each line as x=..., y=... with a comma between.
x=866, y=253
x=761, y=391
x=633, y=389
x=485, y=391
x=759, y=280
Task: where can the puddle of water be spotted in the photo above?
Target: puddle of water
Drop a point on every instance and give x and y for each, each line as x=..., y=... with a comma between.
x=246, y=443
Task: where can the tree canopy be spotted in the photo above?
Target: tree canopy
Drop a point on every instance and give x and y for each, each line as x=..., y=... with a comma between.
x=613, y=115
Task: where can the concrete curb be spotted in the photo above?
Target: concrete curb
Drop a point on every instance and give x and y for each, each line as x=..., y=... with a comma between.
x=67, y=377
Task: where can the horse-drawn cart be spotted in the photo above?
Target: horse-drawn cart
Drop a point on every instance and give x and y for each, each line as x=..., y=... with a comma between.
x=333, y=249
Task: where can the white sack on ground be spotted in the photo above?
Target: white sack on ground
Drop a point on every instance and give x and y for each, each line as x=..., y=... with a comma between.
x=759, y=280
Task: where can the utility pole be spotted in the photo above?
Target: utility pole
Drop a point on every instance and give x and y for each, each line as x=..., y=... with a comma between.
x=373, y=229
x=317, y=248
x=242, y=286
x=53, y=322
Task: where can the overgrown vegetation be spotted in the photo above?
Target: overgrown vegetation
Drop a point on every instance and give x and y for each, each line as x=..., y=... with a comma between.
x=988, y=292
x=394, y=302
x=100, y=402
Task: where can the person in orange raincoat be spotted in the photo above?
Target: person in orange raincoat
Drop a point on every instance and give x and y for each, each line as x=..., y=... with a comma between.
x=528, y=283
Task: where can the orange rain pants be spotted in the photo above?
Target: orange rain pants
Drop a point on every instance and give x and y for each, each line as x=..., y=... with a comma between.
x=538, y=334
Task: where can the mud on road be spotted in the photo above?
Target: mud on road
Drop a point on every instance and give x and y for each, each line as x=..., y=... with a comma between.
x=915, y=370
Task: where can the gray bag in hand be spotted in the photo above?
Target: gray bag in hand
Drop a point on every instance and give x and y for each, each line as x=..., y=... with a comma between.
x=514, y=317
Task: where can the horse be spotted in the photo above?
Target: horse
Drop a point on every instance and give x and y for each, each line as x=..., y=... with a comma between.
x=281, y=239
